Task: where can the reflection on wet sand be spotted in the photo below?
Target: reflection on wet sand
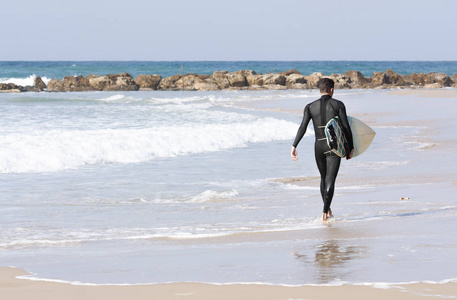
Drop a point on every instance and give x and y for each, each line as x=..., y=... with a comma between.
x=329, y=260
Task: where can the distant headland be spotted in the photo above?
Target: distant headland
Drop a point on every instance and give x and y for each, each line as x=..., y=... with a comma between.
x=240, y=80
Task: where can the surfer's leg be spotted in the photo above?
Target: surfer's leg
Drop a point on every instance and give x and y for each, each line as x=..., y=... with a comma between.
x=333, y=165
x=321, y=163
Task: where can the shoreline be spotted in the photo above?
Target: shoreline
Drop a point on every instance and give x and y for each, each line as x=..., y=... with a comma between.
x=239, y=80
x=13, y=286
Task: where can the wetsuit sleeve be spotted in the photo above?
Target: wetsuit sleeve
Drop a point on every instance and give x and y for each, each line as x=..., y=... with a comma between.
x=304, y=124
x=344, y=121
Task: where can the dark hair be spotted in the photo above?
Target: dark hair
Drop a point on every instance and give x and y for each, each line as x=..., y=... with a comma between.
x=325, y=85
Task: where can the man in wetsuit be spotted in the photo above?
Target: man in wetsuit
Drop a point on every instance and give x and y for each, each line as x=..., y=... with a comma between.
x=328, y=163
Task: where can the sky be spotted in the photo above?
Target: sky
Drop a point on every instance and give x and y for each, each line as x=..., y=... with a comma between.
x=228, y=30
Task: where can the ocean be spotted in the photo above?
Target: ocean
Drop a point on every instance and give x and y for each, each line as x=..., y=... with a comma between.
x=23, y=72
x=160, y=186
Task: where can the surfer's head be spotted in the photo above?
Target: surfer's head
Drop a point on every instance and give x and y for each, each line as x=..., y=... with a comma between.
x=326, y=86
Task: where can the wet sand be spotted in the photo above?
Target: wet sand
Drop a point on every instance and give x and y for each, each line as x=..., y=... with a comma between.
x=13, y=288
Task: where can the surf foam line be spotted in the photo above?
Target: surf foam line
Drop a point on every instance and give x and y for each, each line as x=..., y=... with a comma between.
x=60, y=149
x=24, y=81
x=382, y=285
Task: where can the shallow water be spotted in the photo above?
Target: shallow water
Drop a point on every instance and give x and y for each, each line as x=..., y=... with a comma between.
x=149, y=187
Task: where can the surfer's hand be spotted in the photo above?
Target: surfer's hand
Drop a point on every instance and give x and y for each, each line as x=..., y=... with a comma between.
x=350, y=155
x=294, y=154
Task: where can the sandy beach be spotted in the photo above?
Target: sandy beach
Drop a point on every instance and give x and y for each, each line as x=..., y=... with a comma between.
x=387, y=240
x=12, y=288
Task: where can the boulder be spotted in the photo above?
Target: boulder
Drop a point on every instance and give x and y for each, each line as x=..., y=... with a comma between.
x=121, y=82
x=274, y=79
x=393, y=78
x=168, y=83
x=90, y=76
x=148, y=81
x=220, y=78
x=76, y=84
x=298, y=86
x=441, y=78
x=255, y=80
x=237, y=79
x=290, y=72
x=188, y=82
x=313, y=79
x=356, y=79
x=98, y=83
x=55, y=85
x=206, y=86
x=415, y=79
x=454, y=80
x=341, y=81
x=38, y=83
x=435, y=85
x=10, y=88
x=294, y=78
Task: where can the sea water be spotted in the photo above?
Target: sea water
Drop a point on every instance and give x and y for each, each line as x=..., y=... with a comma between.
x=149, y=187
x=24, y=72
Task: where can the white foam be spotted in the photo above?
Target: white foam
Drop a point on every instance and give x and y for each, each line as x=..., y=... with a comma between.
x=212, y=196
x=60, y=149
x=24, y=81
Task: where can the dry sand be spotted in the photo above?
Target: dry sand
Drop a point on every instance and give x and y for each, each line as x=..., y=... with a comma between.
x=18, y=289
x=432, y=93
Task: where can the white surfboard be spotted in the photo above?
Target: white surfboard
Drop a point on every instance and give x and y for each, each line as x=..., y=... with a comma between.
x=362, y=136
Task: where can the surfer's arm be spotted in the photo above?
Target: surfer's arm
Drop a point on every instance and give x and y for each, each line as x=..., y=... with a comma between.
x=302, y=129
x=344, y=121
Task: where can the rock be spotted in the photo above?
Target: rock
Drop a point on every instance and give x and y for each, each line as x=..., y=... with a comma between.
x=38, y=83
x=148, y=81
x=10, y=88
x=30, y=88
x=441, y=78
x=90, y=76
x=256, y=88
x=250, y=72
x=290, y=72
x=389, y=77
x=417, y=79
x=294, y=78
x=188, y=82
x=435, y=85
x=76, y=84
x=55, y=85
x=298, y=86
x=99, y=82
x=341, y=81
x=168, y=83
x=274, y=79
x=356, y=79
x=378, y=78
x=313, y=79
x=454, y=80
x=255, y=80
x=393, y=78
x=122, y=82
x=275, y=86
x=220, y=78
x=206, y=86
x=237, y=79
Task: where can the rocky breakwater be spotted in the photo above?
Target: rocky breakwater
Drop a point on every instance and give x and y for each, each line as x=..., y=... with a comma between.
x=240, y=80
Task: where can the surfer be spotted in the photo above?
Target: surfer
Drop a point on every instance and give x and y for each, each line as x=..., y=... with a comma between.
x=328, y=163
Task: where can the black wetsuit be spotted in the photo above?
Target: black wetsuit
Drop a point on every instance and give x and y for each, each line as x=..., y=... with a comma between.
x=328, y=163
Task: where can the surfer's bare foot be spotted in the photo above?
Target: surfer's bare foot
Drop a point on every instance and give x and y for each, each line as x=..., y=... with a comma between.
x=329, y=214
x=324, y=217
